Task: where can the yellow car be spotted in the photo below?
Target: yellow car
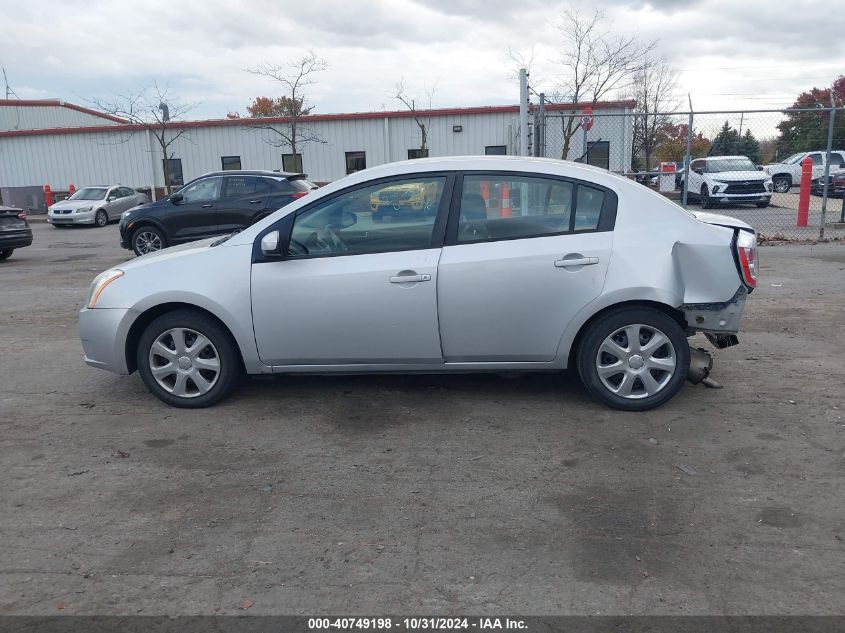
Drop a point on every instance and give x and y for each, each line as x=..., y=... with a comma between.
x=407, y=198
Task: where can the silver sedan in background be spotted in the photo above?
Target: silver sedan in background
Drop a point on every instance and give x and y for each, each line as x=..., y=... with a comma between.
x=95, y=205
x=520, y=264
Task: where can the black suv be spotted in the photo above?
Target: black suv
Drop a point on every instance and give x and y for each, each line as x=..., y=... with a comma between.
x=14, y=231
x=214, y=204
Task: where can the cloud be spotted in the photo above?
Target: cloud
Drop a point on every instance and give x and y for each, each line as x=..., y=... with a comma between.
x=199, y=48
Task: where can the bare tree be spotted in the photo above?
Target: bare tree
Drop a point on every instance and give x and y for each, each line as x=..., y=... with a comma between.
x=596, y=63
x=654, y=90
x=294, y=76
x=157, y=112
x=411, y=103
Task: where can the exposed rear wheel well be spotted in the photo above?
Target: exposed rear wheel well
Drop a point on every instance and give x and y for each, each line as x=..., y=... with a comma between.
x=152, y=314
x=673, y=313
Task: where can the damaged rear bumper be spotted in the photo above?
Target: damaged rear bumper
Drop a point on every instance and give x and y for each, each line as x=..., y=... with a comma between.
x=718, y=321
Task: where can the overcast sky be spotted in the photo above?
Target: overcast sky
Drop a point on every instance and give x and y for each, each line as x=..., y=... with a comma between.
x=730, y=53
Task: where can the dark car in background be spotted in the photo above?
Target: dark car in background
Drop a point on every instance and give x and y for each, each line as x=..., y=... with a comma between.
x=835, y=187
x=214, y=204
x=14, y=231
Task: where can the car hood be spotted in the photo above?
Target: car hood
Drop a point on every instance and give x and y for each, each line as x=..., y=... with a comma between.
x=720, y=220
x=75, y=204
x=174, y=252
x=739, y=176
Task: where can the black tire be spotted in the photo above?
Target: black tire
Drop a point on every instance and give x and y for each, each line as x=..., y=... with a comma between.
x=143, y=235
x=706, y=200
x=6, y=253
x=230, y=365
x=607, y=325
x=763, y=204
x=101, y=218
x=782, y=184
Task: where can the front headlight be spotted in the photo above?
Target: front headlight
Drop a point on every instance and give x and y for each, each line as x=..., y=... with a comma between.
x=82, y=209
x=99, y=284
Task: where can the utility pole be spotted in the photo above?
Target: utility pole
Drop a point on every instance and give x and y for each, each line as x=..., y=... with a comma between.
x=523, y=112
x=688, y=153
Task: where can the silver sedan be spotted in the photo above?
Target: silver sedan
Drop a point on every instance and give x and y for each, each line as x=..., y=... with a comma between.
x=95, y=205
x=512, y=264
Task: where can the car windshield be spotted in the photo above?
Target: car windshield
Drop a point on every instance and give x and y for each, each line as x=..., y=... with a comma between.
x=717, y=165
x=90, y=193
x=794, y=158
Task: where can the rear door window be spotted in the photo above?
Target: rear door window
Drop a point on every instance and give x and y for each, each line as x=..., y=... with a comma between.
x=239, y=186
x=503, y=207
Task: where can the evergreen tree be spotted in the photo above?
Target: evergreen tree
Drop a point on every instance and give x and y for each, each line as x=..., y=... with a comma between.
x=726, y=143
x=750, y=146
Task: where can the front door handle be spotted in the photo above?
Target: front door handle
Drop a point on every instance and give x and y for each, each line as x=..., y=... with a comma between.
x=254, y=201
x=207, y=206
x=409, y=279
x=578, y=261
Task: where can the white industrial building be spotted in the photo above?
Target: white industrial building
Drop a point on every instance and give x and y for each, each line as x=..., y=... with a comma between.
x=50, y=142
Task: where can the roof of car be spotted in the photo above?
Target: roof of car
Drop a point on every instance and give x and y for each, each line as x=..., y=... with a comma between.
x=254, y=172
x=726, y=157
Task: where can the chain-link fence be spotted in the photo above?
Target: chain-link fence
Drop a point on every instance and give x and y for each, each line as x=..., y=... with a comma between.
x=747, y=164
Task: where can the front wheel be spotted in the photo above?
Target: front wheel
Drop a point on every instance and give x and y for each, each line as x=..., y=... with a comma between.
x=634, y=359
x=101, y=219
x=188, y=360
x=6, y=253
x=147, y=240
x=762, y=204
x=706, y=200
x=781, y=184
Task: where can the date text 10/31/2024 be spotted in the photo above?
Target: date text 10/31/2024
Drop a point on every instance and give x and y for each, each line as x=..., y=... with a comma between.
x=416, y=624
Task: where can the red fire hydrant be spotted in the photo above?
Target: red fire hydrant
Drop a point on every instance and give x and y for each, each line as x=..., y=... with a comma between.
x=48, y=196
x=804, y=193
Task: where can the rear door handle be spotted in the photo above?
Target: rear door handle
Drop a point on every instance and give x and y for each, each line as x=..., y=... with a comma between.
x=578, y=261
x=409, y=279
x=207, y=206
x=254, y=201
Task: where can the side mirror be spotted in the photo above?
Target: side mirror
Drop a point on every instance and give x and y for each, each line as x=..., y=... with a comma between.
x=348, y=219
x=270, y=244
x=759, y=168
x=176, y=198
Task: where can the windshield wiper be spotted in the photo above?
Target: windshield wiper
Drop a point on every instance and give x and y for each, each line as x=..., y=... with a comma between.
x=225, y=238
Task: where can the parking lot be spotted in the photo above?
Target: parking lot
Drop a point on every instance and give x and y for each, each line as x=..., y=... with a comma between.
x=422, y=494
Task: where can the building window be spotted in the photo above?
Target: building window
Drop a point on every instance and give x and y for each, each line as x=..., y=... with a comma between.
x=417, y=153
x=292, y=163
x=598, y=154
x=231, y=162
x=495, y=150
x=355, y=161
x=173, y=169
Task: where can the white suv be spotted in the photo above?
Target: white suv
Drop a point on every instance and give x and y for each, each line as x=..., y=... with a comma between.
x=728, y=179
x=787, y=173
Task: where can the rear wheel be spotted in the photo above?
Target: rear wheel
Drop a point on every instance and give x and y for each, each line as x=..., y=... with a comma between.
x=147, y=239
x=188, y=360
x=6, y=253
x=763, y=204
x=634, y=359
x=101, y=219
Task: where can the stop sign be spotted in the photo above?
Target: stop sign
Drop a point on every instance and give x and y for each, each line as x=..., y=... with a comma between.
x=587, y=118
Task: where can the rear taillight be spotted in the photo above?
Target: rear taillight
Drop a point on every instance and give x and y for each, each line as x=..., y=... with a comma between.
x=746, y=251
x=296, y=195
x=22, y=216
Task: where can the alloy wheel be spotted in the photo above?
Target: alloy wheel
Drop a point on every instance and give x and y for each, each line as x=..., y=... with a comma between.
x=147, y=242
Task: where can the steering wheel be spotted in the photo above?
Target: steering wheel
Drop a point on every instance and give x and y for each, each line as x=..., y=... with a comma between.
x=328, y=240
